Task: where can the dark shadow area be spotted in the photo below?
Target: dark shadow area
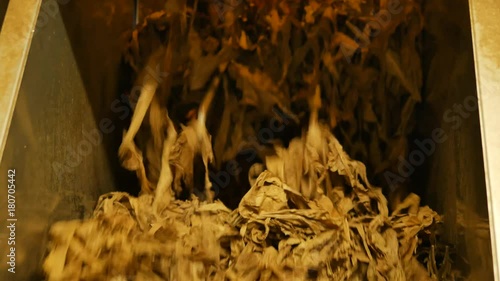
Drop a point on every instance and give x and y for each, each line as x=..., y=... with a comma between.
x=3, y=10
x=450, y=104
x=98, y=32
x=452, y=180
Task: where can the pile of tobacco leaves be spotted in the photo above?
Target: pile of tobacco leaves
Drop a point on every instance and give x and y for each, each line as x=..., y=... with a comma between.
x=247, y=102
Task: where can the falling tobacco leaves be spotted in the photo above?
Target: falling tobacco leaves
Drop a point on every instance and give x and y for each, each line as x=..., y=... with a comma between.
x=245, y=73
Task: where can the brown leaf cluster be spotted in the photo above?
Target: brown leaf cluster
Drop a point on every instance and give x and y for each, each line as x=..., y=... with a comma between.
x=341, y=232
x=364, y=55
x=206, y=69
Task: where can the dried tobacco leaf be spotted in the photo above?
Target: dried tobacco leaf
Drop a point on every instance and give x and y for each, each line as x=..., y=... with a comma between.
x=194, y=236
x=311, y=212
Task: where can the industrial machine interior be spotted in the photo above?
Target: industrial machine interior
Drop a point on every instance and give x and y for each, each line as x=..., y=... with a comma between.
x=245, y=140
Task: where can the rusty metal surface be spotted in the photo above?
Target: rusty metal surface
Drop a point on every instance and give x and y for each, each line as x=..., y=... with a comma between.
x=486, y=40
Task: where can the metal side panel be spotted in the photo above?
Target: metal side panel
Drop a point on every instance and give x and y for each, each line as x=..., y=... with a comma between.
x=486, y=40
x=15, y=39
x=63, y=137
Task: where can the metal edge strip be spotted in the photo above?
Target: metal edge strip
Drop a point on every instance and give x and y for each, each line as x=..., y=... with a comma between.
x=484, y=16
x=15, y=41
